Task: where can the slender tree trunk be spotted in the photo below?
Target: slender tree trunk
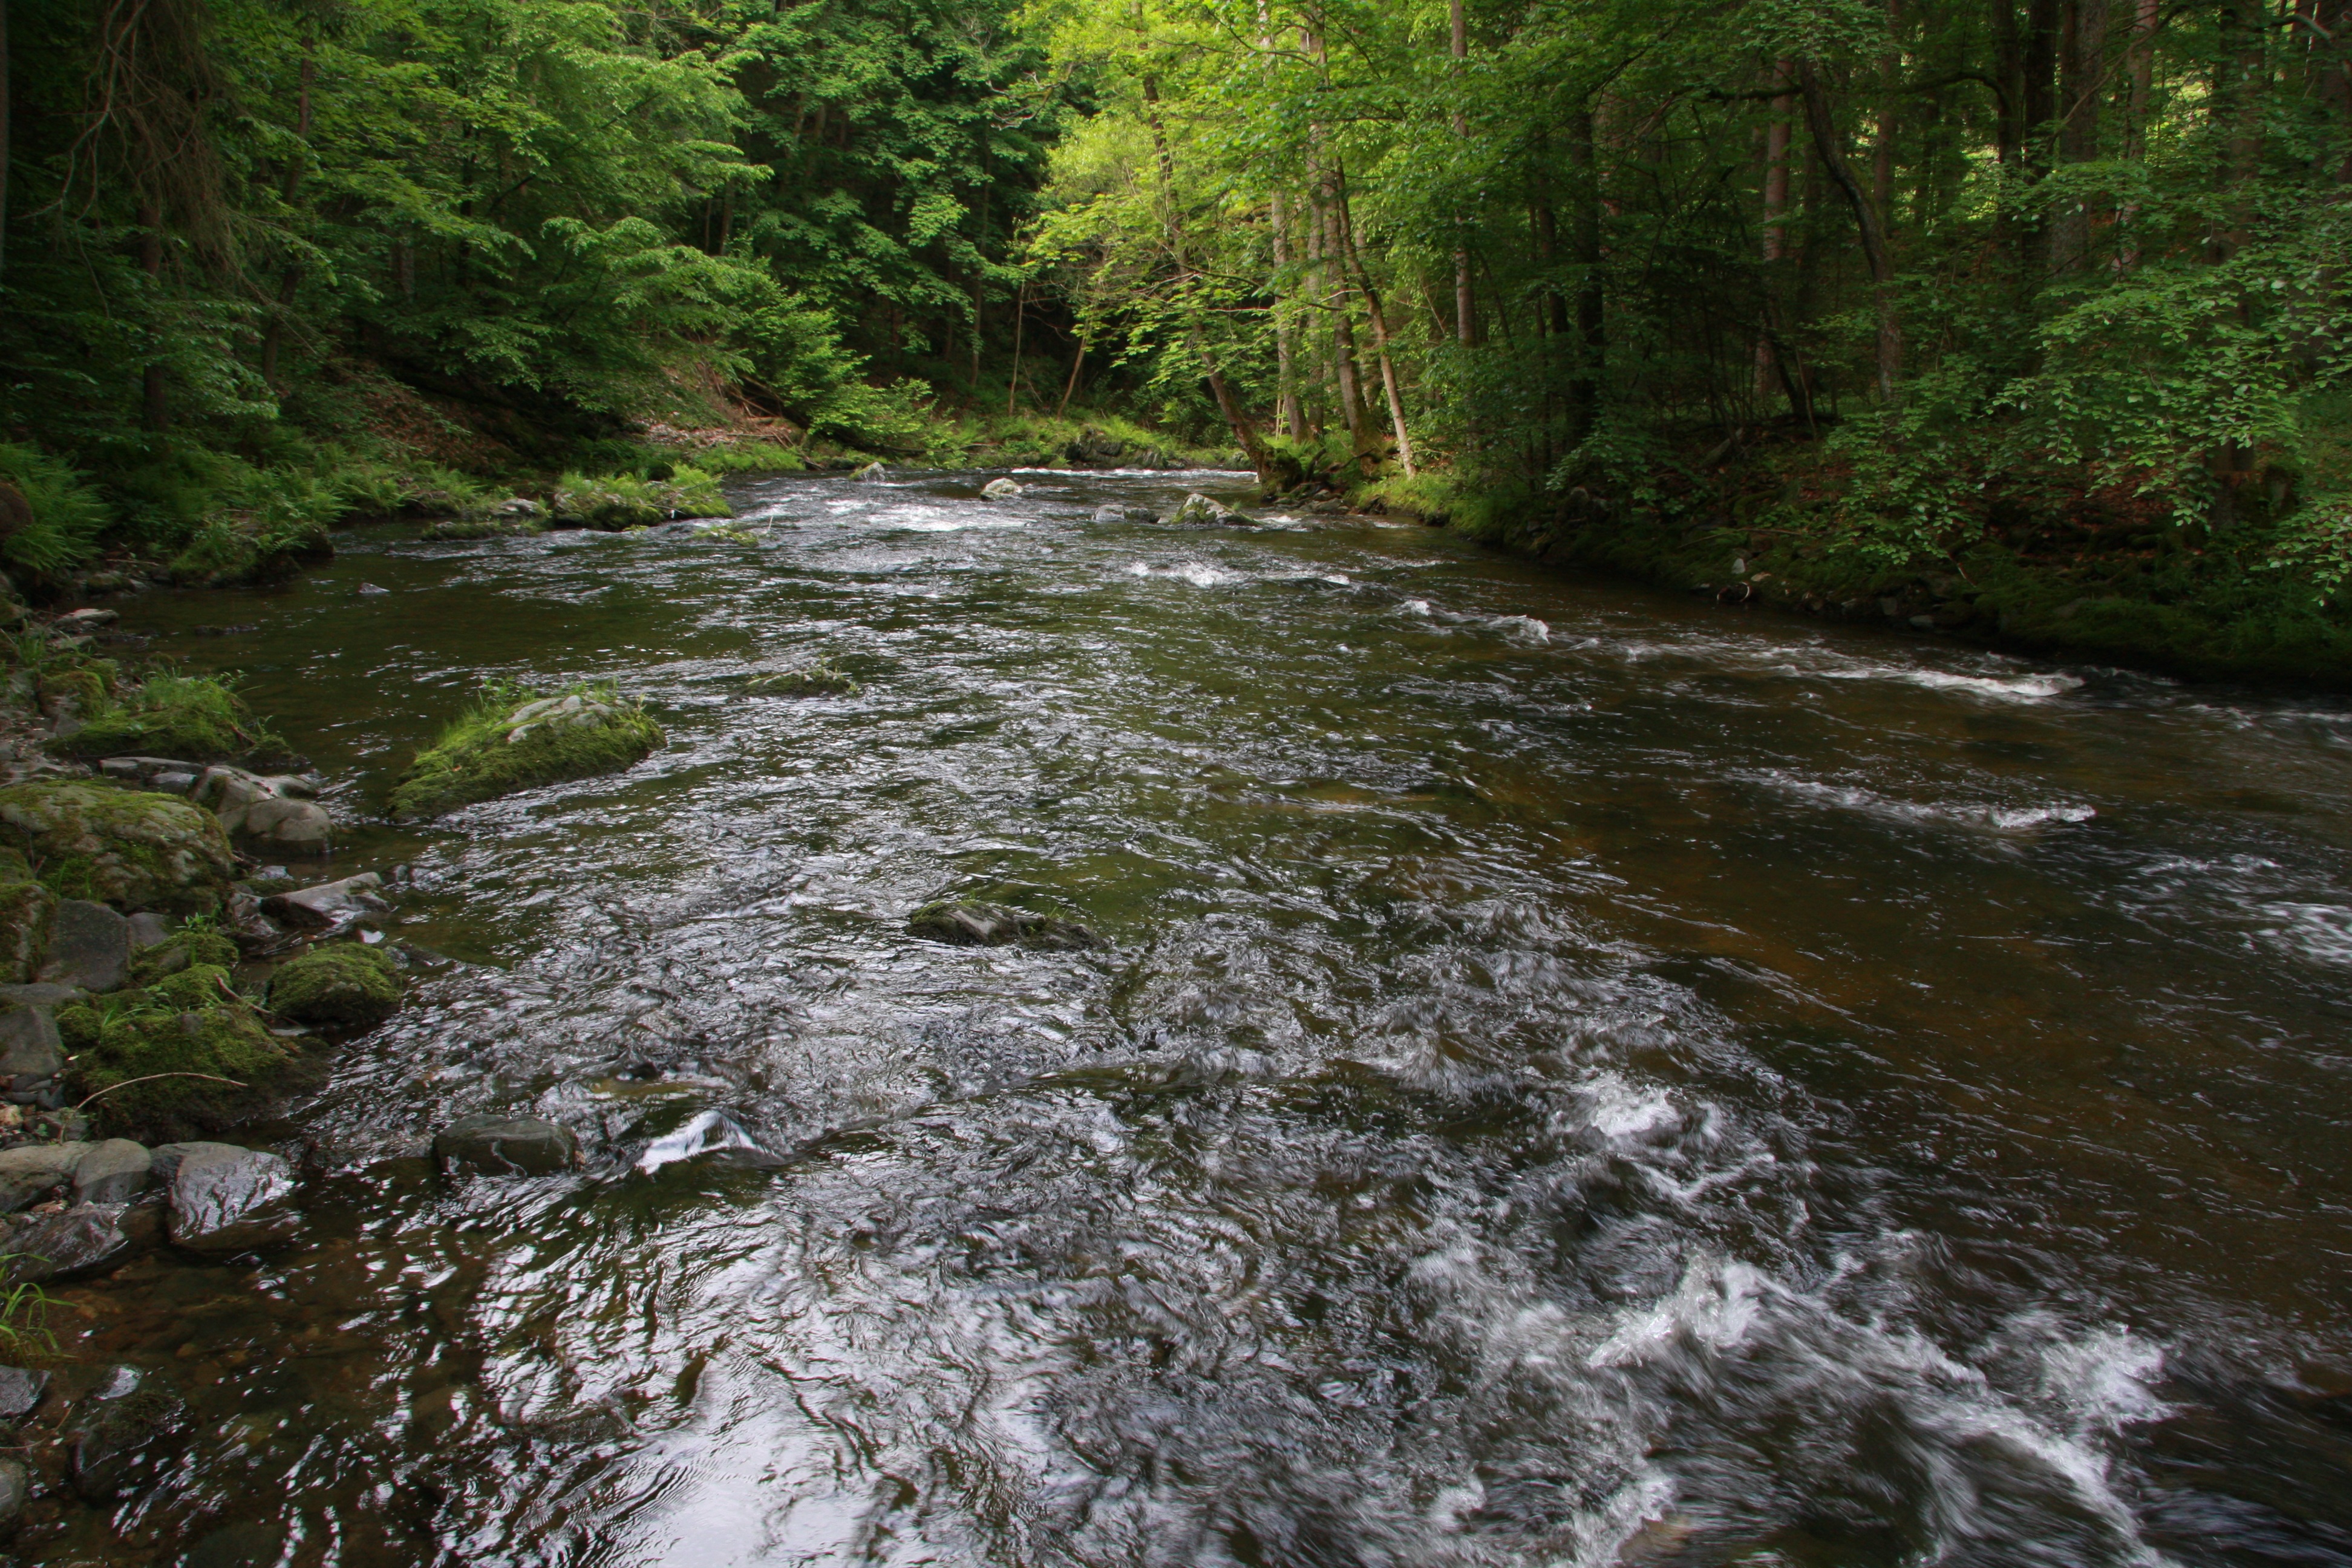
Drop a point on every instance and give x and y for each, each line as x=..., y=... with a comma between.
x=1020, y=320
x=1291, y=418
x=1584, y=236
x=7, y=70
x=288, y=280
x=1466, y=316
x=1873, y=237
x=155, y=413
x=1071, y=386
x=1882, y=159
x=1775, y=244
x=2081, y=78
x=1380, y=335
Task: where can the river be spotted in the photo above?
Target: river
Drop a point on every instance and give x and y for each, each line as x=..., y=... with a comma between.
x=1575, y=1075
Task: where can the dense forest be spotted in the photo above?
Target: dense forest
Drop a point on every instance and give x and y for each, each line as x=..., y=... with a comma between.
x=2007, y=315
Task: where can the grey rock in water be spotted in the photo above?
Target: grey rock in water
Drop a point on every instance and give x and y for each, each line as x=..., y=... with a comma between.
x=872, y=473
x=506, y=1146
x=32, y=1171
x=15, y=1490
x=226, y=1199
x=84, y=1239
x=21, y=1392
x=328, y=905
x=166, y=774
x=123, y=1435
x=113, y=1172
x=89, y=946
x=29, y=1044
x=1199, y=511
x=966, y=924
x=274, y=812
x=998, y=489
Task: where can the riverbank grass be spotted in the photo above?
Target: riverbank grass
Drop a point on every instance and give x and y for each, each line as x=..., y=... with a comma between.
x=513, y=737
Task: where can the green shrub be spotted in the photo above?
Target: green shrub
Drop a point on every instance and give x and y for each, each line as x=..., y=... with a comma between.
x=616, y=501
x=68, y=513
x=505, y=741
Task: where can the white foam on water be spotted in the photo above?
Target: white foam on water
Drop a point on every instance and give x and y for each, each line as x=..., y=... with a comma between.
x=1200, y=574
x=1983, y=815
x=2011, y=688
x=706, y=1134
x=2321, y=932
x=1415, y=607
x=1522, y=628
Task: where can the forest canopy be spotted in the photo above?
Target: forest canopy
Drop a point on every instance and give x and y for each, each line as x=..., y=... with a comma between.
x=1893, y=280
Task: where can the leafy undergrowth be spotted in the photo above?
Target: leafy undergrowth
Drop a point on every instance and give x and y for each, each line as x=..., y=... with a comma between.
x=2041, y=565
x=616, y=501
x=512, y=737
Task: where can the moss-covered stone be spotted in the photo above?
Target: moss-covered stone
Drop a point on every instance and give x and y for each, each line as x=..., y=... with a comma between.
x=485, y=528
x=129, y=848
x=516, y=740
x=345, y=988
x=248, y=548
x=26, y=908
x=191, y=1023
x=200, y=718
x=624, y=500
x=181, y=950
x=817, y=681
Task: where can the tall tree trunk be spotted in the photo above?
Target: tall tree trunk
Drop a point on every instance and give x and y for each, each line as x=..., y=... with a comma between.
x=1465, y=317
x=155, y=413
x=1882, y=151
x=1020, y=320
x=1379, y=332
x=1290, y=417
x=2240, y=84
x=1775, y=242
x=1584, y=236
x=290, y=278
x=2082, y=81
x=6, y=69
x=1071, y=386
x=1873, y=237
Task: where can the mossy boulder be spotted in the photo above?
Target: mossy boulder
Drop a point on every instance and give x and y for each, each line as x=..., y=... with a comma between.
x=130, y=849
x=515, y=739
x=181, y=950
x=25, y=910
x=815, y=680
x=234, y=547
x=624, y=500
x=191, y=1023
x=198, y=718
x=345, y=989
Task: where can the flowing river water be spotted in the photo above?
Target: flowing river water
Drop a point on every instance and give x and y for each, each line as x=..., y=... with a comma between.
x=1575, y=1076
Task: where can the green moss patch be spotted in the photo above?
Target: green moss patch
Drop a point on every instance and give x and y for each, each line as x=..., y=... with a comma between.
x=182, y=949
x=515, y=739
x=189, y=1023
x=345, y=988
x=820, y=679
x=198, y=716
x=233, y=548
x=130, y=849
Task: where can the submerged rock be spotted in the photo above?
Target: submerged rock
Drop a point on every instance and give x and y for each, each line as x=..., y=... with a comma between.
x=345, y=989
x=817, y=681
x=998, y=489
x=507, y=1146
x=21, y=1392
x=1198, y=510
x=500, y=748
x=969, y=924
x=133, y=850
x=228, y=1199
x=123, y=1435
x=88, y=947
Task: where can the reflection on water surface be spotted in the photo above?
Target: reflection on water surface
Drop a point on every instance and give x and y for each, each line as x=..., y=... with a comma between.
x=1575, y=1077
